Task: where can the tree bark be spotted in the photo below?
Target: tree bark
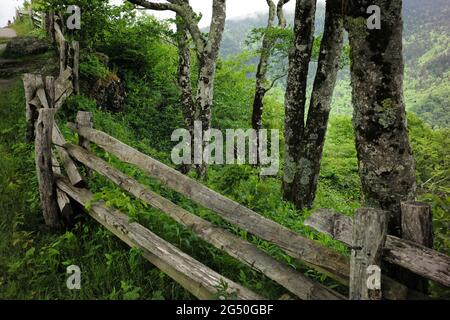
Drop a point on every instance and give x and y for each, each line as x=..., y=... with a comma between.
x=185, y=81
x=207, y=49
x=261, y=71
x=386, y=163
x=295, y=98
x=320, y=106
x=207, y=70
x=43, y=152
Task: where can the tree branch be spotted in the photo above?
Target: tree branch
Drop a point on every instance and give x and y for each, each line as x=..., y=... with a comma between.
x=281, y=18
x=217, y=25
x=184, y=10
x=274, y=81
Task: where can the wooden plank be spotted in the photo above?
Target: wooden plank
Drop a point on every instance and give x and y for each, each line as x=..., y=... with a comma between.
x=61, y=197
x=36, y=103
x=417, y=223
x=69, y=165
x=43, y=151
x=417, y=227
x=62, y=48
x=50, y=90
x=369, y=235
x=195, y=277
x=308, y=251
x=334, y=224
x=63, y=98
x=30, y=83
x=63, y=84
x=42, y=97
x=235, y=246
x=419, y=259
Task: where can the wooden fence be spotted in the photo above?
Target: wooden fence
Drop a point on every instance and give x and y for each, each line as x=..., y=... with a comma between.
x=60, y=183
x=37, y=19
x=48, y=91
x=366, y=236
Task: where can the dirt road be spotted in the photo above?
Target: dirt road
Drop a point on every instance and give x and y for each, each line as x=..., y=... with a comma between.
x=7, y=33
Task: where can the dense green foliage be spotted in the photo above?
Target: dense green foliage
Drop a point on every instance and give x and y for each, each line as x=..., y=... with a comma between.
x=141, y=53
x=427, y=58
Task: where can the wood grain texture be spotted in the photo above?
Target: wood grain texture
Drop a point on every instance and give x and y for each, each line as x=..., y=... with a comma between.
x=417, y=227
x=69, y=165
x=44, y=170
x=31, y=83
x=238, y=248
x=369, y=235
x=308, y=251
x=195, y=277
x=417, y=258
x=62, y=47
x=61, y=197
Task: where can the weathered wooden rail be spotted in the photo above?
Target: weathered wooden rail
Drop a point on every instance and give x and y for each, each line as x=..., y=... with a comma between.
x=366, y=235
x=36, y=19
x=433, y=265
x=407, y=254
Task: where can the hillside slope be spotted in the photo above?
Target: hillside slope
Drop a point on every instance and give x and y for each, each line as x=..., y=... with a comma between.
x=426, y=50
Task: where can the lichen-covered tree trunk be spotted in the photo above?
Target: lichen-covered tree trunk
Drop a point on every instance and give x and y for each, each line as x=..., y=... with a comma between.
x=261, y=71
x=320, y=105
x=386, y=163
x=295, y=97
x=207, y=70
x=184, y=79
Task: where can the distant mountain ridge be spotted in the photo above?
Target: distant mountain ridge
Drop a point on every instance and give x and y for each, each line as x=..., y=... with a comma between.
x=426, y=50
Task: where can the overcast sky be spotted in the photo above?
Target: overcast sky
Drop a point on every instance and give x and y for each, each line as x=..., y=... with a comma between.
x=235, y=9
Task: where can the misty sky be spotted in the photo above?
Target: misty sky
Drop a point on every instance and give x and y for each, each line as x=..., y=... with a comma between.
x=235, y=8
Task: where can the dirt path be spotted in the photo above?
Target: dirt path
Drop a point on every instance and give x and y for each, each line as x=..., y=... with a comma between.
x=7, y=33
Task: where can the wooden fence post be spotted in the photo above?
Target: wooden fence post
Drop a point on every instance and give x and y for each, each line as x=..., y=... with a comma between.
x=30, y=14
x=417, y=226
x=76, y=66
x=44, y=167
x=62, y=48
x=50, y=90
x=31, y=82
x=50, y=21
x=369, y=235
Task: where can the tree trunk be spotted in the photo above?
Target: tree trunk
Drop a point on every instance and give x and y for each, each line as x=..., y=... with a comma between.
x=184, y=81
x=261, y=71
x=386, y=163
x=295, y=98
x=320, y=106
x=207, y=53
x=207, y=70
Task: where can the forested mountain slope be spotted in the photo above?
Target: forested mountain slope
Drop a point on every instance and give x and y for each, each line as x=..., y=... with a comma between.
x=426, y=49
